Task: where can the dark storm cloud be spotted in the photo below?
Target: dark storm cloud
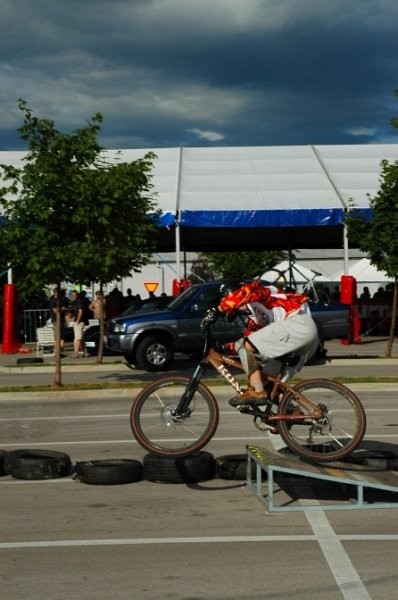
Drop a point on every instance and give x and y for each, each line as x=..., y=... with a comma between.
x=225, y=72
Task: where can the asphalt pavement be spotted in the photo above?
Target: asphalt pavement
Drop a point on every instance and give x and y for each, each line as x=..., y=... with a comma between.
x=213, y=539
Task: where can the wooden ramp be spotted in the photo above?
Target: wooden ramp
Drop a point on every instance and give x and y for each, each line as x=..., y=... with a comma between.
x=371, y=474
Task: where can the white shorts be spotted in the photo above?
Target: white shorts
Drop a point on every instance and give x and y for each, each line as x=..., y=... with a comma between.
x=78, y=330
x=298, y=334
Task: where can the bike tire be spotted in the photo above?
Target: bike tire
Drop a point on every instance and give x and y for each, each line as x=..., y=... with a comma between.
x=341, y=431
x=155, y=429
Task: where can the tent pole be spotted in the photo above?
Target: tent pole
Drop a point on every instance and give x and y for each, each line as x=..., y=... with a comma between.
x=345, y=241
x=178, y=249
x=178, y=216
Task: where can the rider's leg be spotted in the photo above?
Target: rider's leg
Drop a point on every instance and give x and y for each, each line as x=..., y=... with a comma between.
x=297, y=334
x=245, y=352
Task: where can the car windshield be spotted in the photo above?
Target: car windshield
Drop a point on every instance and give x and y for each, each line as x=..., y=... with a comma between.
x=181, y=299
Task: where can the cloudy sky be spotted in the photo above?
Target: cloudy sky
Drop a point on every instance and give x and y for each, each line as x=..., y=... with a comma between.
x=167, y=73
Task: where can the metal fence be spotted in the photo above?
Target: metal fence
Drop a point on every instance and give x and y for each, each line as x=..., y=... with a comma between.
x=32, y=319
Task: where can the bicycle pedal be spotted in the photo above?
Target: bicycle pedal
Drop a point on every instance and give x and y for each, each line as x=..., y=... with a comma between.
x=246, y=405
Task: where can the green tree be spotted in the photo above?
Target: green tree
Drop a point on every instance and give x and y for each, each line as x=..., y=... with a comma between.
x=70, y=214
x=378, y=237
x=237, y=265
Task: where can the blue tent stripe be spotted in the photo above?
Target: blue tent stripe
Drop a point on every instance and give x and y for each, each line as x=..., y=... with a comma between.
x=263, y=218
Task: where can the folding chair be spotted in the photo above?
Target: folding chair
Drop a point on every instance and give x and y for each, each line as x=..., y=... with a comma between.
x=45, y=345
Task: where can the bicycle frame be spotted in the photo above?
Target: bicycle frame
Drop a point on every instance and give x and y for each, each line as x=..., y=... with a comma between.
x=317, y=419
x=211, y=357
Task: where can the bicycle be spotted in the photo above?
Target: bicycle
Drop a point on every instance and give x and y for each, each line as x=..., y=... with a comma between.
x=318, y=419
x=288, y=278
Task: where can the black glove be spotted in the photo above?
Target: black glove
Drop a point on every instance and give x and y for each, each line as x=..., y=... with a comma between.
x=211, y=317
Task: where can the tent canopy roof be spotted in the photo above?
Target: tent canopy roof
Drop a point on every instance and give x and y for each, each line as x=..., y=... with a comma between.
x=233, y=198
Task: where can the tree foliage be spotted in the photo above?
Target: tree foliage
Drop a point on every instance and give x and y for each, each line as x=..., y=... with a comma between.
x=73, y=215
x=70, y=214
x=378, y=237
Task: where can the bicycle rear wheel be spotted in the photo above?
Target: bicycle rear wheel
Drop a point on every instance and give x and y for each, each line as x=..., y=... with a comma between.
x=334, y=435
x=158, y=430
x=277, y=278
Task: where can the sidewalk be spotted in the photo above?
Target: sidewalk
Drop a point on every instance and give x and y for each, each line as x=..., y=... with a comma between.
x=371, y=348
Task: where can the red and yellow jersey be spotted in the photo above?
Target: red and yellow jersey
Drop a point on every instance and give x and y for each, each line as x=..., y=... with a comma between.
x=278, y=305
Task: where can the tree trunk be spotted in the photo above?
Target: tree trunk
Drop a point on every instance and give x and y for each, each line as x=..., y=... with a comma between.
x=393, y=317
x=102, y=329
x=57, y=337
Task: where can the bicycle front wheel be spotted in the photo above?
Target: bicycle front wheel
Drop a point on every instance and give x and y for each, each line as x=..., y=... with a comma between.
x=329, y=437
x=156, y=426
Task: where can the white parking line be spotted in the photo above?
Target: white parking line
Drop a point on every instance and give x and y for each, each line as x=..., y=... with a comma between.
x=344, y=573
x=194, y=540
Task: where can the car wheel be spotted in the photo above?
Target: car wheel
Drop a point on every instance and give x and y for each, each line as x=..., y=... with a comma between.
x=154, y=353
x=186, y=469
x=37, y=464
x=109, y=471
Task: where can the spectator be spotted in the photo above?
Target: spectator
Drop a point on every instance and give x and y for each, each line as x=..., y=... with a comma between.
x=365, y=294
x=114, y=303
x=97, y=305
x=78, y=324
x=379, y=294
x=86, y=303
x=129, y=299
x=138, y=301
x=335, y=297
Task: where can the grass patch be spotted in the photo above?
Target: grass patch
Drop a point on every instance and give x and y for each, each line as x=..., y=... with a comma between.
x=216, y=382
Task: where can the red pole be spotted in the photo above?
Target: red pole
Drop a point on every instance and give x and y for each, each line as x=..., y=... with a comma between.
x=10, y=344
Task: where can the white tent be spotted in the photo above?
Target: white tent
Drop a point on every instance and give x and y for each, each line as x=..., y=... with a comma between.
x=257, y=198
x=364, y=272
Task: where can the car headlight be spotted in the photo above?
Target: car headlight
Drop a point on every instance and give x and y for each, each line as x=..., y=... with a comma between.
x=120, y=328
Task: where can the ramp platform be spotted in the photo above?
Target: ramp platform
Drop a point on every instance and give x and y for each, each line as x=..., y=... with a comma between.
x=371, y=473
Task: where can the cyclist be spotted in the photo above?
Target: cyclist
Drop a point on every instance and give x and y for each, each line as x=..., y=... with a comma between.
x=277, y=323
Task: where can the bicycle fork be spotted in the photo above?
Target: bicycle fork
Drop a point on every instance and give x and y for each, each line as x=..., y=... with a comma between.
x=182, y=410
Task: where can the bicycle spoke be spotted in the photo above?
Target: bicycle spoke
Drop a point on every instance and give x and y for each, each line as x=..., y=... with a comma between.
x=332, y=436
x=158, y=428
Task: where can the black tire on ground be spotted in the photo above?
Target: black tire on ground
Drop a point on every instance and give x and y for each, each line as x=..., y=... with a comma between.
x=2, y=455
x=234, y=466
x=37, y=464
x=373, y=460
x=29, y=360
x=186, y=469
x=109, y=471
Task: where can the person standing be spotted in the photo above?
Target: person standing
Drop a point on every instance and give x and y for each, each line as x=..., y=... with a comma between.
x=78, y=324
x=97, y=305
